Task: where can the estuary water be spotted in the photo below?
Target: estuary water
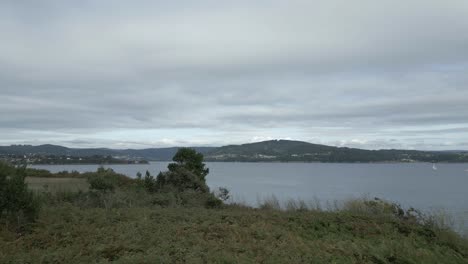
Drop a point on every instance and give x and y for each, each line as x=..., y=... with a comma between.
x=411, y=184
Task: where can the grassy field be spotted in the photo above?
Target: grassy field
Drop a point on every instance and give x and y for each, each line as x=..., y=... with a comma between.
x=71, y=234
x=57, y=184
x=105, y=217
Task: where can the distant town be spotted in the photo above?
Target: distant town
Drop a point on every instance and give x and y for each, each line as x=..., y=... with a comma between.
x=34, y=159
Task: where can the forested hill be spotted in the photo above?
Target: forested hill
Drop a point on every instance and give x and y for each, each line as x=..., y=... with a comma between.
x=161, y=154
x=286, y=150
x=273, y=150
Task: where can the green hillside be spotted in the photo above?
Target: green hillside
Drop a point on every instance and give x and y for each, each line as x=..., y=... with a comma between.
x=287, y=150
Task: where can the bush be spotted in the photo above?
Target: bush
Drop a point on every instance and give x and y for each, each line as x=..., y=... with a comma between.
x=17, y=203
x=213, y=202
x=149, y=183
x=100, y=183
x=181, y=180
x=164, y=199
x=38, y=173
x=107, y=180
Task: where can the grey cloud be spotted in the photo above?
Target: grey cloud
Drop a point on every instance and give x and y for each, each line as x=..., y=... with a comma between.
x=302, y=34
x=325, y=71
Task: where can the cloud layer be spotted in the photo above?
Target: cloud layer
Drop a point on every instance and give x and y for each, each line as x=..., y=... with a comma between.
x=381, y=74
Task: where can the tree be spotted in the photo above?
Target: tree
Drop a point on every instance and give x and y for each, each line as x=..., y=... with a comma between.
x=16, y=200
x=189, y=159
x=181, y=180
x=188, y=172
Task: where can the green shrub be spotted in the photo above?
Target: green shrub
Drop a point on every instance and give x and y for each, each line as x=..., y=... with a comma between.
x=164, y=199
x=213, y=202
x=107, y=180
x=17, y=203
x=100, y=183
x=186, y=174
x=181, y=180
x=38, y=173
x=149, y=183
x=30, y=172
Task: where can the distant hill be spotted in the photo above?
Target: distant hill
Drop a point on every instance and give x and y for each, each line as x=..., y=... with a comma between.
x=287, y=150
x=273, y=151
x=159, y=154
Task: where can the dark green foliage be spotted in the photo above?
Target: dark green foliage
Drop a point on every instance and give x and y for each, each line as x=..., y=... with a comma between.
x=38, y=173
x=30, y=172
x=100, y=183
x=181, y=180
x=17, y=203
x=149, y=182
x=107, y=180
x=189, y=159
x=167, y=199
x=186, y=174
x=213, y=202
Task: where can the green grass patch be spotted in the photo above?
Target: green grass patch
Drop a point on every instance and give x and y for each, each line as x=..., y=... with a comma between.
x=69, y=234
x=57, y=184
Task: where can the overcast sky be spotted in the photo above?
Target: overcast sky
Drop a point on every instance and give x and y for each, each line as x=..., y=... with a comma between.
x=369, y=74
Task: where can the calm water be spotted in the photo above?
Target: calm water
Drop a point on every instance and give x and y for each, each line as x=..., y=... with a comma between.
x=416, y=185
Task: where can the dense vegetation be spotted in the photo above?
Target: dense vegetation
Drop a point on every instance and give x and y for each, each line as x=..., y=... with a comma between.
x=174, y=218
x=17, y=203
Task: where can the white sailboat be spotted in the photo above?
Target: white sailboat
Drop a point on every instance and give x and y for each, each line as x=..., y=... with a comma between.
x=434, y=167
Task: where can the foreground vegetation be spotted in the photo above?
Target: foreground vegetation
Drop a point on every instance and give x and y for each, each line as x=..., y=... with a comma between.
x=174, y=218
